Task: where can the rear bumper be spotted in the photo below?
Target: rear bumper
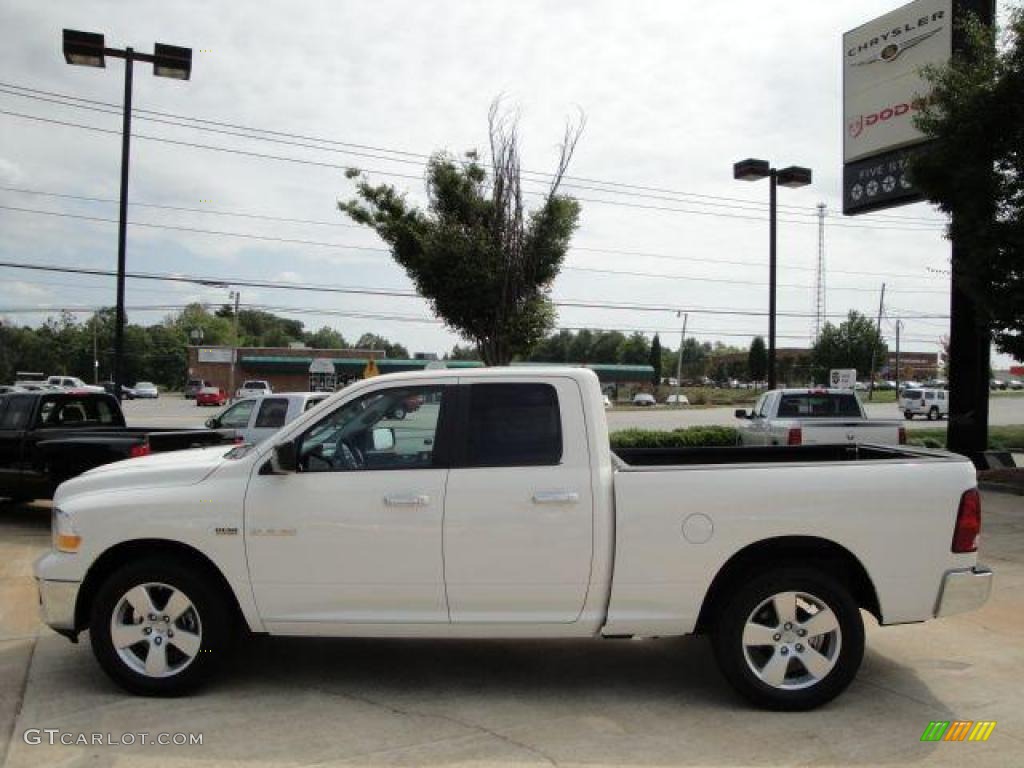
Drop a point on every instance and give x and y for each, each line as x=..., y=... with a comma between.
x=57, y=600
x=964, y=590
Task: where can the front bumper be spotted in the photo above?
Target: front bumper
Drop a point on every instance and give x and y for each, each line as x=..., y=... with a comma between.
x=964, y=590
x=57, y=600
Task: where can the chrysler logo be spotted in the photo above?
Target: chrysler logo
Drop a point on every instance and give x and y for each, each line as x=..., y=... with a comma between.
x=893, y=51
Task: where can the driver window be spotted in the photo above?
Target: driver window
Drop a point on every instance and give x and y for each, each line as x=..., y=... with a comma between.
x=237, y=416
x=386, y=429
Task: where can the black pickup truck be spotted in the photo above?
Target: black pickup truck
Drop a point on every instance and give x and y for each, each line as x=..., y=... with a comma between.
x=48, y=437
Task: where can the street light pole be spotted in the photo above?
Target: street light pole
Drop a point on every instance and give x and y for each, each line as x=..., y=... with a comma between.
x=87, y=49
x=122, y=224
x=773, y=182
x=679, y=361
x=792, y=176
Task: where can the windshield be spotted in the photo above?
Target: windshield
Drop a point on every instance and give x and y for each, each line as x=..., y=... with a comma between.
x=819, y=406
x=912, y=394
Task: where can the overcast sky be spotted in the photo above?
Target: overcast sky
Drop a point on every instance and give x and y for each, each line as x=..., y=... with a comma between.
x=674, y=92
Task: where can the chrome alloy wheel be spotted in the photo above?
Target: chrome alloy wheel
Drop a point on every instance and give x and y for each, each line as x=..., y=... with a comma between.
x=155, y=630
x=792, y=640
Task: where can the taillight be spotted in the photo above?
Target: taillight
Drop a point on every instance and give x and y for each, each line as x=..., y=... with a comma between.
x=968, y=522
x=795, y=436
x=142, y=449
x=903, y=435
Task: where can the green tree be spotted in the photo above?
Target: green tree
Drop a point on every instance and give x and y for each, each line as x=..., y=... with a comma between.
x=656, y=359
x=973, y=169
x=582, y=346
x=483, y=261
x=757, y=359
x=391, y=349
x=848, y=345
x=326, y=338
x=467, y=352
x=607, y=347
x=635, y=350
x=554, y=348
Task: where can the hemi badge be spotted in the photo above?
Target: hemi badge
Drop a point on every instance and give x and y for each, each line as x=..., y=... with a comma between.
x=226, y=531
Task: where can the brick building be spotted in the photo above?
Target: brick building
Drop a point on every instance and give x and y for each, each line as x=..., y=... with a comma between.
x=299, y=369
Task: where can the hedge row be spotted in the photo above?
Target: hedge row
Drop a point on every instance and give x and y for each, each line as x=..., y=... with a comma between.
x=688, y=437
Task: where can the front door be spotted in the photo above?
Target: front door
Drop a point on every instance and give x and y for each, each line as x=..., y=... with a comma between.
x=518, y=529
x=354, y=536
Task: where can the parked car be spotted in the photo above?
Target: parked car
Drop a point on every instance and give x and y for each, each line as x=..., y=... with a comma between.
x=995, y=384
x=47, y=437
x=24, y=379
x=5, y=388
x=254, y=388
x=192, y=386
x=607, y=401
x=814, y=417
x=255, y=419
x=1015, y=384
x=518, y=522
x=932, y=403
x=677, y=399
x=126, y=392
x=146, y=390
x=211, y=396
x=644, y=399
x=72, y=382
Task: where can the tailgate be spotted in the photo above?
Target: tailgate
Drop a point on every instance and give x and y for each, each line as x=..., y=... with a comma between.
x=833, y=431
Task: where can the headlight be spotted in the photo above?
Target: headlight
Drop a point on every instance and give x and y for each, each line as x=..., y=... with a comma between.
x=65, y=539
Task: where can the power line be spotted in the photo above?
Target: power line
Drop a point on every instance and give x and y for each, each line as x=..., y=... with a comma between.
x=671, y=257
x=393, y=174
x=569, y=303
x=394, y=155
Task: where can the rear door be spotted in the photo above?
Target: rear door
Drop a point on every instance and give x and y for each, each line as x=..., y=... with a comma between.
x=518, y=522
x=15, y=411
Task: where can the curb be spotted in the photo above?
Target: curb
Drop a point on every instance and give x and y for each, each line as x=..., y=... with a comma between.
x=1013, y=490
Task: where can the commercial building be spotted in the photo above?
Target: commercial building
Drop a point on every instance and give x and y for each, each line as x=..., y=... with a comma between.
x=299, y=369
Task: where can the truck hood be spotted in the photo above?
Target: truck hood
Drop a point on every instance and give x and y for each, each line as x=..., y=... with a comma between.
x=186, y=467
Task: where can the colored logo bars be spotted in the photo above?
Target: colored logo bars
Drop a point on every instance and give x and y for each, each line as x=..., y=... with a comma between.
x=958, y=730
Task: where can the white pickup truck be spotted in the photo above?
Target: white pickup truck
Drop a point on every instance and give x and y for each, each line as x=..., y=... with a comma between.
x=815, y=417
x=497, y=510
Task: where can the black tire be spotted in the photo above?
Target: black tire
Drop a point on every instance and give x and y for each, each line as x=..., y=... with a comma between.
x=215, y=618
x=933, y=413
x=908, y=415
x=848, y=648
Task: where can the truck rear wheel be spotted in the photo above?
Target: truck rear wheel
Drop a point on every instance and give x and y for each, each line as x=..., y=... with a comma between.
x=908, y=415
x=790, y=639
x=933, y=413
x=158, y=628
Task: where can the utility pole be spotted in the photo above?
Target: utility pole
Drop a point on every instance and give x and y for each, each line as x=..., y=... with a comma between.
x=679, y=361
x=898, y=324
x=874, y=346
x=236, y=295
x=95, y=350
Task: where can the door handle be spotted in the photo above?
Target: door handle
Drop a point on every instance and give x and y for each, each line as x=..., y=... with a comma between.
x=556, y=497
x=407, y=500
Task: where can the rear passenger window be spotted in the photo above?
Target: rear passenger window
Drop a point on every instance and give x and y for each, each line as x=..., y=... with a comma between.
x=17, y=412
x=513, y=425
x=272, y=413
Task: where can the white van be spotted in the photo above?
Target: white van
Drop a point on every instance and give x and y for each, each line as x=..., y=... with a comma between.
x=933, y=403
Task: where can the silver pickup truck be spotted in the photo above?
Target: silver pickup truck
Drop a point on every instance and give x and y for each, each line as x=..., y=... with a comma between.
x=815, y=417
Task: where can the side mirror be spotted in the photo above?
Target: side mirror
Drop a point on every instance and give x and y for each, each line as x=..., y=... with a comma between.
x=213, y=423
x=741, y=413
x=285, y=458
x=383, y=439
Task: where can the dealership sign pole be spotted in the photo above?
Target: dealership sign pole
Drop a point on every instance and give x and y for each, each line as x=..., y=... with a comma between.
x=882, y=89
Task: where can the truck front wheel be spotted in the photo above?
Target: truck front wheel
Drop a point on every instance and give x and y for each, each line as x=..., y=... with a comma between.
x=790, y=639
x=158, y=628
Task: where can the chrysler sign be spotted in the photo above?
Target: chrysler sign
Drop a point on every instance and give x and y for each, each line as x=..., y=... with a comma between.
x=882, y=88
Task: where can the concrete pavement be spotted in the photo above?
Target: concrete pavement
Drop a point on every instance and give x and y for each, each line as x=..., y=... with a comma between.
x=292, y=702
x=172, y=411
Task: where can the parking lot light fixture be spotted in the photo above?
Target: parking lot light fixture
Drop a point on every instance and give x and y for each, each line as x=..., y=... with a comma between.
x=88, y=49
x=753, y=169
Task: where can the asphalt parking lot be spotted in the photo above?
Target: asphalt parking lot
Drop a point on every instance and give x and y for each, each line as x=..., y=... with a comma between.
x=173, y=411
x=293, y=702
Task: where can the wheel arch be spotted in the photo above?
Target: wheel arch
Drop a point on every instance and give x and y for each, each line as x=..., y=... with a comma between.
x=128, y=551
x=810, y=551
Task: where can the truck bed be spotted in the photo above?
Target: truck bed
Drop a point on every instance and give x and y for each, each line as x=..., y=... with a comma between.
x=630, y=458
